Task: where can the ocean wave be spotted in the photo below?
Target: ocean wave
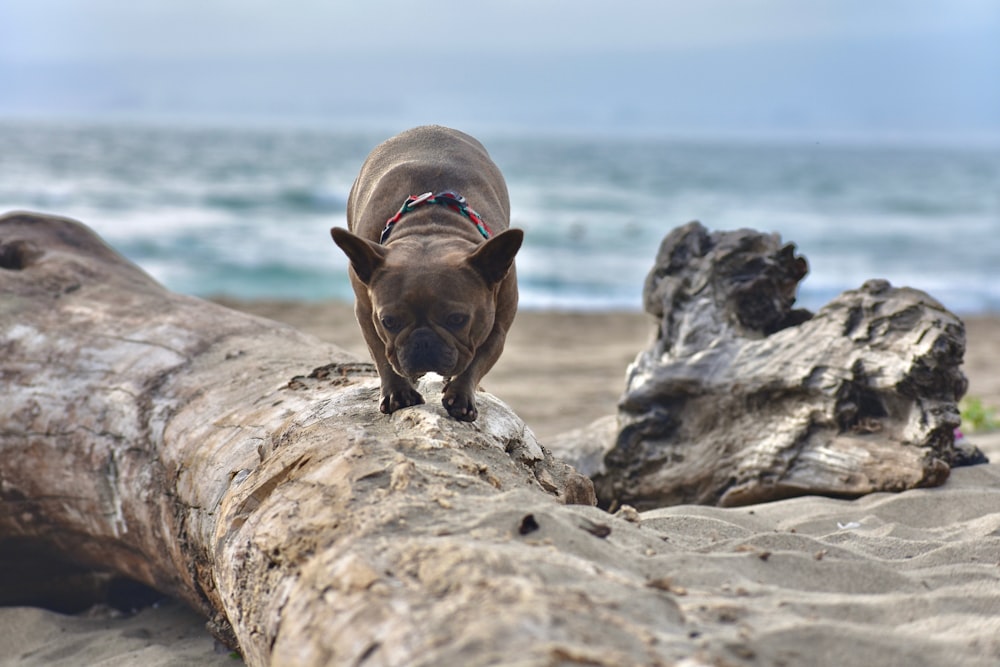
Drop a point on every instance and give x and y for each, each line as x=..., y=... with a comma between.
x=288, y=199
x=248, y=213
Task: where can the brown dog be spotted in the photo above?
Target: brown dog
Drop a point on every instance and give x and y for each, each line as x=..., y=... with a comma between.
x=433, y=277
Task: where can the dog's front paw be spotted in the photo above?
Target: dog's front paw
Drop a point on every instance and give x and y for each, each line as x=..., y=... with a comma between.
x=397, y=398
x=461, y=405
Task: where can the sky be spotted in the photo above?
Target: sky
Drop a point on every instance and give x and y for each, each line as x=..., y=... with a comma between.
x=877, y=69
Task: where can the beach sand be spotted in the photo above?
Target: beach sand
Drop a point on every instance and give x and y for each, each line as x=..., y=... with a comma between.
x=888, y=579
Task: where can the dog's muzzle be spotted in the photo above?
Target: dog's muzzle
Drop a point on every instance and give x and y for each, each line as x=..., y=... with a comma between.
x=425, y=351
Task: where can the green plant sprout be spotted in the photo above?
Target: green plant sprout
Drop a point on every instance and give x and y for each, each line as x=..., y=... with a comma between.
x=976, y=416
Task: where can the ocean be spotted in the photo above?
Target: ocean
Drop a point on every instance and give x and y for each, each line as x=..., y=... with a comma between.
x=246, y=211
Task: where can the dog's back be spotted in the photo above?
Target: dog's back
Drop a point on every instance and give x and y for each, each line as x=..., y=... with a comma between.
x=428, y=158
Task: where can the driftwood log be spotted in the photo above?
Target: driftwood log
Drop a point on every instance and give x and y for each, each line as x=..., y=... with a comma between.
x=743, y=398
x=243, y=467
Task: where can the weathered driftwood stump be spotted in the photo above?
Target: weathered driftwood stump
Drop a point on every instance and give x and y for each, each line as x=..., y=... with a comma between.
x=743, y=399
x=244, y=467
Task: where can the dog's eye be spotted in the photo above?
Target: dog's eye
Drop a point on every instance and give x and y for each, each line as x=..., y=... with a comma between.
x=391, y=323
x=456, y=320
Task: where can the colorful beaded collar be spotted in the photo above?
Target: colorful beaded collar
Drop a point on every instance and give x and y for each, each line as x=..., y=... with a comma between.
x=449, y=199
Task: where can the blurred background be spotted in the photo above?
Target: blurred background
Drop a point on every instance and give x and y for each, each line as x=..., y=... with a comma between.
x=214, y=142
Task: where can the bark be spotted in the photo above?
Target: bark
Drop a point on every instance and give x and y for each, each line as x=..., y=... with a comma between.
x=744, y=399
x=244, y=467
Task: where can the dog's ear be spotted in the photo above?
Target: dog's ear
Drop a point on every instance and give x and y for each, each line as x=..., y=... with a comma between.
x=366, y=257
x=493, y=259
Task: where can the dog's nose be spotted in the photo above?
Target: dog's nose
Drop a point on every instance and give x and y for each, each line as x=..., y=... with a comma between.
x=423, y=340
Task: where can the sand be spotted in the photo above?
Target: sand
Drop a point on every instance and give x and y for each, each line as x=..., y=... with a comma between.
x=166, y=635
x=907, y=579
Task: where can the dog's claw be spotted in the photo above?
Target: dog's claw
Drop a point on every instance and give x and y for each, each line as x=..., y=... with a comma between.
x=399, y=399
x=460, y=406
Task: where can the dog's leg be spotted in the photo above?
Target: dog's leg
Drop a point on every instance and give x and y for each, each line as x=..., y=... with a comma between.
x=459, y=395
x=397, y=392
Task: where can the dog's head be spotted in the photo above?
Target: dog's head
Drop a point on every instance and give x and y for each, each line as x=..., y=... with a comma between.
x=433, y=304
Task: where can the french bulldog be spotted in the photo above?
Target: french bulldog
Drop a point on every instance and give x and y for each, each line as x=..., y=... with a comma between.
x=432, y=264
